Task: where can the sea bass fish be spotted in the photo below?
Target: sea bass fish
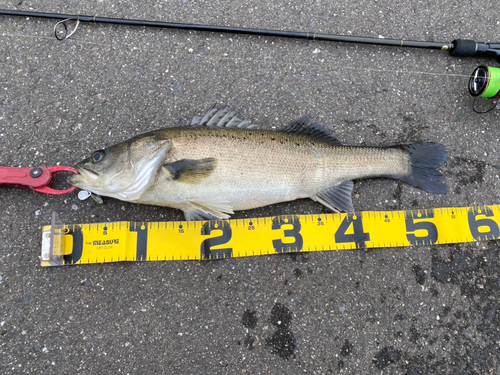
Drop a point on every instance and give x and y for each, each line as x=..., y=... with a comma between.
x=219, y=163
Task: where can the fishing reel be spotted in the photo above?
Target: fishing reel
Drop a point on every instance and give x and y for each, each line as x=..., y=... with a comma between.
x=485, y=82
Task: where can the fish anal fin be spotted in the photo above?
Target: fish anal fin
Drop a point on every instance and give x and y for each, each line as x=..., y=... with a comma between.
x=197, y=210
x=337, y=198
x=191, y=171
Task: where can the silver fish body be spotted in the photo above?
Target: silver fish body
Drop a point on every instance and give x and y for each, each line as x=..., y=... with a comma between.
x=212, y=167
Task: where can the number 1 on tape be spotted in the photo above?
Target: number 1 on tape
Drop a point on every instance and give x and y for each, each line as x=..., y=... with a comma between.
x=219, y=239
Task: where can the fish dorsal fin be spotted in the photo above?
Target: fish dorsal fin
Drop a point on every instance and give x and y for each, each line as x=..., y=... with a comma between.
x=320, y=131
x=191, y=171
x=196, y=210
x=297, y=125
x=229, y=117
x=225, y=116
x=337, y=198
x=315, y=130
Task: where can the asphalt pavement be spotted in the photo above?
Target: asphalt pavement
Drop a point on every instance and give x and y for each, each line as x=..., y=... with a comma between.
x=412, y=310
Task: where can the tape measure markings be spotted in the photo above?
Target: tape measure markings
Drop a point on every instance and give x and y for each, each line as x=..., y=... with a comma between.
x=219, y=239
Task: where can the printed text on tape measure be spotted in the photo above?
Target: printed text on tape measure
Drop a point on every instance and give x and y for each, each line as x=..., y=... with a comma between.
x=94, y=243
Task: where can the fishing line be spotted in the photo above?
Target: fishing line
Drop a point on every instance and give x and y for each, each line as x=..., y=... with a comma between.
x=331, y=69
x=458, y=47
x=133, y=48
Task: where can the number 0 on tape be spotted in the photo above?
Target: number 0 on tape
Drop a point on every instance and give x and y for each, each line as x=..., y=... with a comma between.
x=203, y=240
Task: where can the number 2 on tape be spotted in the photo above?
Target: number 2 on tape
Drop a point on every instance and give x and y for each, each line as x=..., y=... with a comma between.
x=206, y=246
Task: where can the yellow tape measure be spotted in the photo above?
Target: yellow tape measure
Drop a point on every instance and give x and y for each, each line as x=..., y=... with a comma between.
x=198, y=240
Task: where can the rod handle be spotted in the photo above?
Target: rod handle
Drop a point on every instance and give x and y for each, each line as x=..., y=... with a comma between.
x=469, y=48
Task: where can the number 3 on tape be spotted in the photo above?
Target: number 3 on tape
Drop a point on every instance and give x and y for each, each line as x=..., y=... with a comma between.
x=292, y=227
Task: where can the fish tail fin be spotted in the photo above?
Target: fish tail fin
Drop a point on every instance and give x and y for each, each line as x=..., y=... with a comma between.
x=424, y=159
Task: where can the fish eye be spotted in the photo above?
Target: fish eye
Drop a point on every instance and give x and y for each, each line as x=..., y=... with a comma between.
x=98, y=156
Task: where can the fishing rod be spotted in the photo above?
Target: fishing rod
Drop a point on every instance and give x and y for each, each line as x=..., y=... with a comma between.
x=484, y=81
x=458, y=47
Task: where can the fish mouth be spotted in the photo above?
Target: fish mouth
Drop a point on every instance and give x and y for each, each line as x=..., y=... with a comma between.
x=75, y=179
x=84, y=177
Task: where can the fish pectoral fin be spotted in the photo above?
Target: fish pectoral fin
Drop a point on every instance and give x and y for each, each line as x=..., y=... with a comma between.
x=191, y=171
x=337, y=198
x=196, y=210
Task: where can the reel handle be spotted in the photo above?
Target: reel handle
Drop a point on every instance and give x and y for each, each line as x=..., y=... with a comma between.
x=469, y=48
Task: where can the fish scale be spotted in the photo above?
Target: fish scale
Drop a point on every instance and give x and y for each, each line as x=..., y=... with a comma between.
x=257, y=169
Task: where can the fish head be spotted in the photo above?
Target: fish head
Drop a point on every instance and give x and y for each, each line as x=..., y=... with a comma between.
x=123, y=171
